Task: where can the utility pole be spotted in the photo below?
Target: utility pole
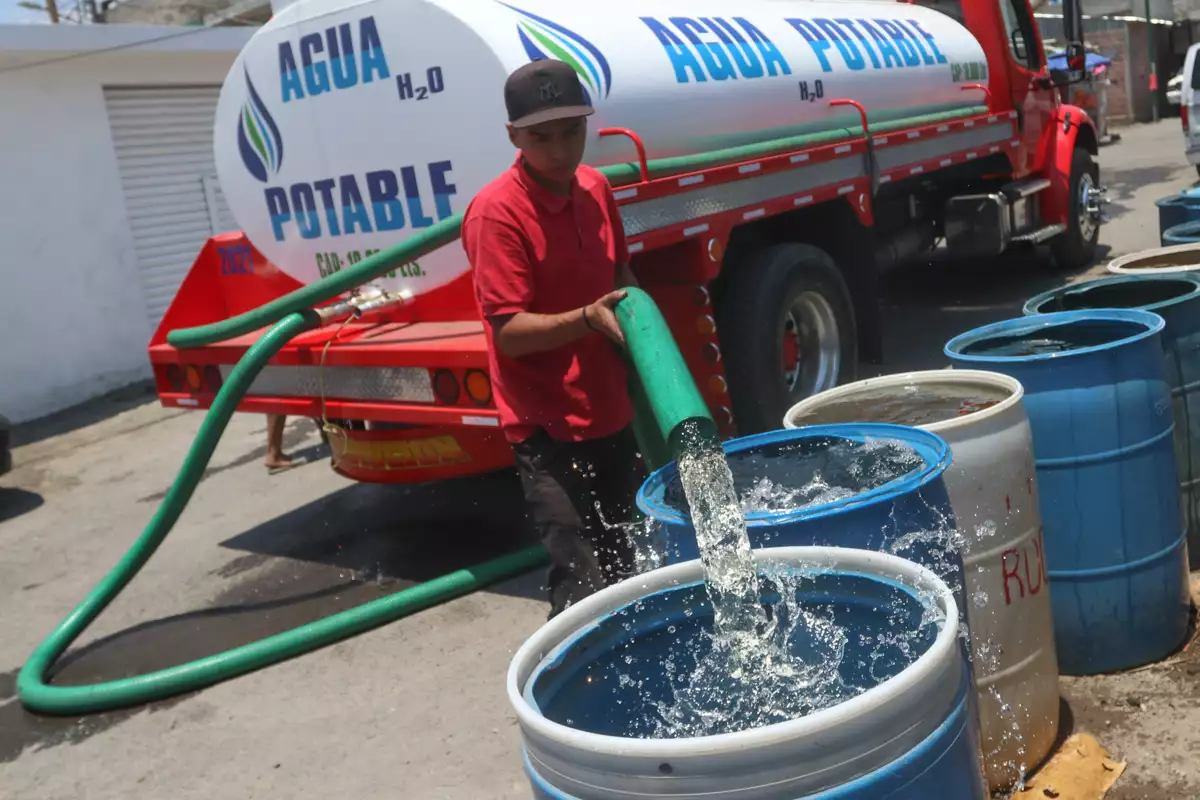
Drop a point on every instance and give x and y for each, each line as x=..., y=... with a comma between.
x=1153, y=67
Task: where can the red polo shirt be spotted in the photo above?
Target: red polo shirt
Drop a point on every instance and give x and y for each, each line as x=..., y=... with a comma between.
x=536, y=251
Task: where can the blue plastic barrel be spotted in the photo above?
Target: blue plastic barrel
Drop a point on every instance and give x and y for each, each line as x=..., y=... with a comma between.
x=1183, y=233
x=589, y=689
x=1177, y=209
x=1176, y=298
x=874, y=519
x=1099, y=403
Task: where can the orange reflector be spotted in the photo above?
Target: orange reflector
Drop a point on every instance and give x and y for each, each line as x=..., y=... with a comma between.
x=706, y=325
x=716, y=384
x=445, y=386
x=711, y=353
x=478, y=386
x=193, y=378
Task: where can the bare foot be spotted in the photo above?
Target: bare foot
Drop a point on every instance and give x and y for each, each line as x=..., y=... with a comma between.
x=278, y=463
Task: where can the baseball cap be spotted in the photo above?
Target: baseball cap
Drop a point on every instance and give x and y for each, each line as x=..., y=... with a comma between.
x=542, y=91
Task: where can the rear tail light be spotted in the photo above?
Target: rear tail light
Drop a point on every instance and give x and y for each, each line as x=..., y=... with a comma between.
x=212, y=378
x=445, y=386
x=1183, y=117
x=174, y=375
x=478, y=386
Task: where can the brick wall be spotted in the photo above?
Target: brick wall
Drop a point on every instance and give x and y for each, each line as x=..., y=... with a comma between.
x=1111, y=44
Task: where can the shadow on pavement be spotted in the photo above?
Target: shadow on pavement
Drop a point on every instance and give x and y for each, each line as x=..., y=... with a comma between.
x=357, y=545
x=927, y=304
x=15, y=502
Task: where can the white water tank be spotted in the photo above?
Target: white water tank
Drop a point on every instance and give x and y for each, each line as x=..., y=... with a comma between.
x=993, y=491
x=346, y=126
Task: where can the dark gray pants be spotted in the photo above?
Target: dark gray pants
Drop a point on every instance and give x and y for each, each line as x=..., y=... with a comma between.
x=564, y=482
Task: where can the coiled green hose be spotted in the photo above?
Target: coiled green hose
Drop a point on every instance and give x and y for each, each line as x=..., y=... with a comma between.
x=39, y=696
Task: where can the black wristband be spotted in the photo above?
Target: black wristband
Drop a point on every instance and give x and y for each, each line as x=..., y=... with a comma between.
x=586, y=321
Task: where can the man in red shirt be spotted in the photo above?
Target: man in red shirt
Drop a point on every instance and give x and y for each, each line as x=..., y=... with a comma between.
x=548, y=252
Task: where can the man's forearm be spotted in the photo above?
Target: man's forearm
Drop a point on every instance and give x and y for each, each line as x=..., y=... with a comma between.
x=525, y=333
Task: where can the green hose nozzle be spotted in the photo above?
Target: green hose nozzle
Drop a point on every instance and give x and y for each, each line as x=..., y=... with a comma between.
x=661, y=385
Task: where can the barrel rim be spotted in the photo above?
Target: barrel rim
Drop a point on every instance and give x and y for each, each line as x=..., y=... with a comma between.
x=937, y=461
x=579, y=617
x=996, y=380
x=1154, y=325
x=1031, y=305
x=1117, y=265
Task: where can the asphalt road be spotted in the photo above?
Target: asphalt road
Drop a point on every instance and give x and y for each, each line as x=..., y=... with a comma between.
x=416, y=709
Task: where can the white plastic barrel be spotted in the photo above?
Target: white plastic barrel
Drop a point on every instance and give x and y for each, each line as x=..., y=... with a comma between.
x=993, y=492
x=911, y=736
x=347, y=126
x=1158, y=260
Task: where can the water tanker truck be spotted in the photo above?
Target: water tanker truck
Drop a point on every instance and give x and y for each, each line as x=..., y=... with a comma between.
x=771, y=159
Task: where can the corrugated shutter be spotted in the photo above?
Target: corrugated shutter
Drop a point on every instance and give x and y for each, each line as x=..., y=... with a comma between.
x=164, y=142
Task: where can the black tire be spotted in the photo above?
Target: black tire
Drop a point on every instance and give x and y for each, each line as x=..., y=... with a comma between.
x=752, y=316
x=1072, y=249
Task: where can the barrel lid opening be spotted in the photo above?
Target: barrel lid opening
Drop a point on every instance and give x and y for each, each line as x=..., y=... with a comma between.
x=1148, y=293
x=617, y=676
x=923, y=691
x=815, y=470
x=1176, y=258
x=923, y=403
x=1058, y=335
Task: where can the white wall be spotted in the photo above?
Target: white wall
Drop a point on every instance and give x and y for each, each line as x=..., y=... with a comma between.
x=72, y=318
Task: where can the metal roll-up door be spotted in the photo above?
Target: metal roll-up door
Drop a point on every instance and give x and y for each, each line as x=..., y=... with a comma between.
x=163, y=137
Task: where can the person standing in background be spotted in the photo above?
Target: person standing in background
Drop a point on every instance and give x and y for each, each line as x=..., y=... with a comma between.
x=276, y=460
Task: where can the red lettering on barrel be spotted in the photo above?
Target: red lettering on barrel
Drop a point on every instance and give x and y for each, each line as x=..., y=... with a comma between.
x=1016, y=564
x=1037, y=572
x=1037, y=543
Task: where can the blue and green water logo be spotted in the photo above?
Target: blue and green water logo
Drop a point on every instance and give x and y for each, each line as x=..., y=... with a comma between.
x=544, y=39
x=259, y=141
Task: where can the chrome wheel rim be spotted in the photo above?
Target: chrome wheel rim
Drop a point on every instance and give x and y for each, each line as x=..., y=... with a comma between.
x=1089, y=208
x=812, y=346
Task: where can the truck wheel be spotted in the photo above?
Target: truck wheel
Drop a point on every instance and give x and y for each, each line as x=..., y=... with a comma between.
x=787, y=331
x=1076, y=247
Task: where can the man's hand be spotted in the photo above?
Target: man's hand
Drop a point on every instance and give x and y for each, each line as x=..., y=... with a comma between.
x=602, y=318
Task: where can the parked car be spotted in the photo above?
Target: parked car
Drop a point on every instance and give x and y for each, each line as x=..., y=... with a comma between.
x=1175, y=90
x=5, y=448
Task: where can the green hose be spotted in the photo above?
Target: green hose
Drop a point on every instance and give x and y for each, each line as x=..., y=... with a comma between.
x=39, y=696
x=661, y=385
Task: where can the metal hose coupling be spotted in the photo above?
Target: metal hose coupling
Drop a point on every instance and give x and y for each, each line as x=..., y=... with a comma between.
x=367, y=302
